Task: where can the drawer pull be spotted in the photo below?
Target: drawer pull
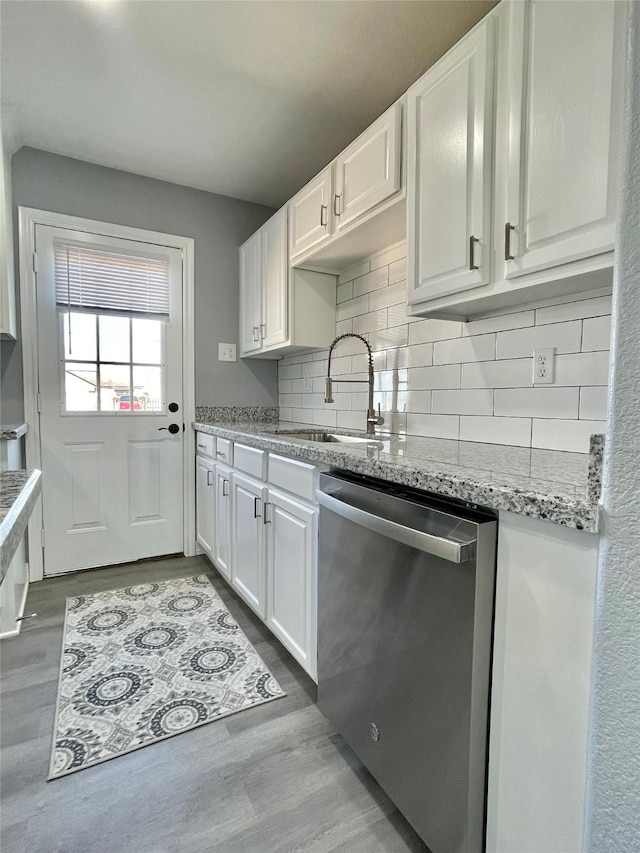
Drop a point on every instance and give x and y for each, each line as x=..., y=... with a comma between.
x=265, y=518
x=221, y=454
x=202, y=446
x=256, y=507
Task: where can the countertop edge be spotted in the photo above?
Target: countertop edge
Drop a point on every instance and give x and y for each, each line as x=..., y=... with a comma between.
x=581, y=514
x=15, y=522
x=9, y=432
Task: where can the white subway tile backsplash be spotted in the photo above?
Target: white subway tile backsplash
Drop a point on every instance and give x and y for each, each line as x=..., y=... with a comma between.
x=398, y=271
x=564, y=435
x=371, y=281
x=393, y=294
x=492, y=430
x=434, y=330
x=434, y=426
x=513, y=373
x=352, y=308
x=354, y=271
x=344, y=292
x=537, y=402
x=388, y=257
x=596, y=333
x=464, y=402
x=593, y=403
x=585, y=368
x=574, y=310
x=446, y=379
x=428, y=378
x=460, y=350
x=565, y=337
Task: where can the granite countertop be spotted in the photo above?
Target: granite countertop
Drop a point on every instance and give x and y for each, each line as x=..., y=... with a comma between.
x=19, y=491
x=10, y=431
x=551, y=485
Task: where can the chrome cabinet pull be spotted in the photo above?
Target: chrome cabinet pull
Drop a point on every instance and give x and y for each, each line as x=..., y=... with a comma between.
x=265, y=519
x=256, y=333
x=224, y=493
x=221, y=454
x=324, y=214
x=263, y=330
x=472, y=253
x=203, y=446
x=209, y=478
x=336, y=204
x=508, y=228
x=256, y=507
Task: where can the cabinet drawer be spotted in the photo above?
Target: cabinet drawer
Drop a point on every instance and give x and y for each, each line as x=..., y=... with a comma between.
x=299, y=478
x=205, y=444
x=224, y=451
x=250, y=460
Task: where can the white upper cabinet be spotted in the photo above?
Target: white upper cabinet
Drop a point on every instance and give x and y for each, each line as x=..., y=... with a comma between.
x=311, y=214
x=368, y=171
x=275, y=270
x=450, y=128
x=250, y=295
x=563, y=150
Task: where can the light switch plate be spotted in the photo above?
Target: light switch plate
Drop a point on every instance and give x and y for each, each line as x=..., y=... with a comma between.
x=544, y=362
x=226, y=352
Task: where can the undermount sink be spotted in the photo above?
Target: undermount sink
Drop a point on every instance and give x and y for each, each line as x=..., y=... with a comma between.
x=315, y=435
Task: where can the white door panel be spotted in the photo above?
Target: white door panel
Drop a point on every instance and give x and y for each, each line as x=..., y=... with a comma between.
x=563, y=125
x=250, y=295
x=112, y=479
x=247, y=538
x=222, y=554
x=275, y=265
x=205, y=503
x=310, y=214
x=450, y=132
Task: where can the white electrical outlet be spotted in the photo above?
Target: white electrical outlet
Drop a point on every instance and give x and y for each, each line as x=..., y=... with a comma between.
x=226, y=352
x=544, y=362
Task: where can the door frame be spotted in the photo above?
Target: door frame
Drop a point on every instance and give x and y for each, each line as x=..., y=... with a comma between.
x=28, y=218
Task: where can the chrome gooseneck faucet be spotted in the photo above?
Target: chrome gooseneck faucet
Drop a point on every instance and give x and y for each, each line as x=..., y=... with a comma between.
x=373, y=420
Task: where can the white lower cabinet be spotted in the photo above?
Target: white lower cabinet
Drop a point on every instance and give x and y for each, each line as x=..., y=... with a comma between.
x=258, y=523
x=222, y=520
x=292, y=536
x=247, y=537
x=205, y=474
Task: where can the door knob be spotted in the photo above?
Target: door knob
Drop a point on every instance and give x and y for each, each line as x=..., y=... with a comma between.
x=173, y=428
x=173, y=407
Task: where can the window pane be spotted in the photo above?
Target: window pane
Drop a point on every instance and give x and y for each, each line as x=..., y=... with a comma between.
x=147, y=341
x=114, y=338
x=147, y=387
x=80, y=388
x=115, y=390
x=79, y=336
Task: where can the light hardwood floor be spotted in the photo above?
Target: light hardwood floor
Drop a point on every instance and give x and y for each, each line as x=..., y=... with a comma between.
x=272, y=779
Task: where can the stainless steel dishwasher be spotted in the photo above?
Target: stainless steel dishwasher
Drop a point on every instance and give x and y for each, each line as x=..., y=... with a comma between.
x=405, y=621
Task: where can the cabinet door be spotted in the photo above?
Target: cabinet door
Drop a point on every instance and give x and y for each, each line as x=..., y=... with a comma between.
x=563, y=152
x=222, y=515
x=275, y=280
x=311, y=214
x=248, y=541
x=450, y=138
x=250, y=295
x=204, y=503
x=368, y=171
x=292, y=541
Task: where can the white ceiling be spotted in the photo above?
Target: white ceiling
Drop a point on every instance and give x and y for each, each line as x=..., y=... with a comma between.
x=249, y=99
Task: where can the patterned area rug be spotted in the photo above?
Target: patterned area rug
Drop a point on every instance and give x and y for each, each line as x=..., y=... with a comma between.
x=146, y=662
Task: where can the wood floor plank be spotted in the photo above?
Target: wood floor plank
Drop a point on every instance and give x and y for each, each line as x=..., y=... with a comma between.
x=276, y=778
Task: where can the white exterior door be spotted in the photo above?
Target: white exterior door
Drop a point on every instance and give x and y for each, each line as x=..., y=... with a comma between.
x=311, y=214
x=450, y=133
x=564, y=122
x=110, y=385
x=292, y=537
x=248, y=538
x=275, y=269
x=368, y=171
x=250, y=295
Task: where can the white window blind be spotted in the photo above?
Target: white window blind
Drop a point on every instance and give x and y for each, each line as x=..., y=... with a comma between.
x=89, y=279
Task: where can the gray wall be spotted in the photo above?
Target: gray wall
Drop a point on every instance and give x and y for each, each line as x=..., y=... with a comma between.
x=218, y=225
x=613, y=816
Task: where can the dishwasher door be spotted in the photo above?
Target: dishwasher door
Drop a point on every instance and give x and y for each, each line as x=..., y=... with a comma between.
x=405, y=618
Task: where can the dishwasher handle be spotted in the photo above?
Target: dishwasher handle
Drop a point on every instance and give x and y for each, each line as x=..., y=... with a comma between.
x=439, y=546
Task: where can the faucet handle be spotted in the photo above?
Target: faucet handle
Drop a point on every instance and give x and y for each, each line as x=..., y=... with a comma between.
x=379, y=419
